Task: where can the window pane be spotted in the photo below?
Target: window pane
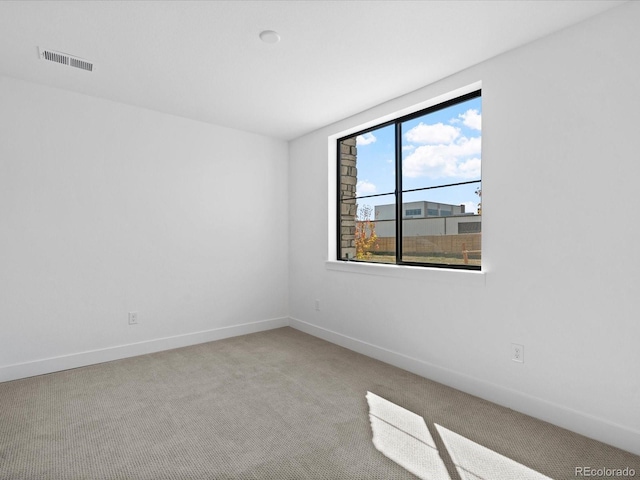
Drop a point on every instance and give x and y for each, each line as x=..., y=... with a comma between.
x=441, y=224
x=377, y=216
x=367, y=179
x=442, y=147
x=449, y=227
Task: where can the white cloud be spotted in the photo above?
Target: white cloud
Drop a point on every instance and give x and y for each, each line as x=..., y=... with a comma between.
x=466, y=146
x=406, y=148
x=446, y=160
x=470, y=207
x=470, y=168
x=472, y=119
x=364, y=187
x=432, y=134
x=365, y=139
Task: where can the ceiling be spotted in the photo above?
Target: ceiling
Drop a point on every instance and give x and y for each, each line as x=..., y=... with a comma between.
x=204, y=59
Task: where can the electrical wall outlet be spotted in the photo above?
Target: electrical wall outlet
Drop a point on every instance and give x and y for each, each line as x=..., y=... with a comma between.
x=133, y=318
x=517, y=353
x=318, y=305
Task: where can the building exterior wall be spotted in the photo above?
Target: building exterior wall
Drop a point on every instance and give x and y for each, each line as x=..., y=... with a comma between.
x=348, y=207
x=421, y=209
x=426, y=226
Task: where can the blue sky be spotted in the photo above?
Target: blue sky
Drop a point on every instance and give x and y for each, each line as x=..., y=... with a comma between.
x=442, y=147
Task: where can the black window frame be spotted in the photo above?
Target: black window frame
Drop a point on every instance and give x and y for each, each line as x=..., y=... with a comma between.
x=398, y=184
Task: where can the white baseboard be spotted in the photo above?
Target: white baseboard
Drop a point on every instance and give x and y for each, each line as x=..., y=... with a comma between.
x=576, y=421
x=560, y=415
x=82, y=359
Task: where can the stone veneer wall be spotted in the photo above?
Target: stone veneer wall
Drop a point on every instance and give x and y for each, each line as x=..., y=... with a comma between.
x=348, y=207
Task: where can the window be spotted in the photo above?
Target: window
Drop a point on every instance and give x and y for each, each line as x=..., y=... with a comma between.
x=469, y=227
x=428, y=162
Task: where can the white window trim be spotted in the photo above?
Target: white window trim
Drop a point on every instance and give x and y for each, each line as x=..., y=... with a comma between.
x=441, y=275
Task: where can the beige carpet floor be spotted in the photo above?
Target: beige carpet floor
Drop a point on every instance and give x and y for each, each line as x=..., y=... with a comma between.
x=272, y=405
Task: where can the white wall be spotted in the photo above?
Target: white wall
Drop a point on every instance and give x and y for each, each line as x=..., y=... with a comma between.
x=560, y=127
x=107, y=208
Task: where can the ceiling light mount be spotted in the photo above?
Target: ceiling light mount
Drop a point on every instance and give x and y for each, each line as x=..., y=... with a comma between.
x=269, y=36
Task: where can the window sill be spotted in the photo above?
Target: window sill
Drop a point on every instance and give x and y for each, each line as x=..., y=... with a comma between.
x=429, y=274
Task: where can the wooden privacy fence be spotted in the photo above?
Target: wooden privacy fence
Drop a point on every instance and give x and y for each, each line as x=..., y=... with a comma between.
x=433, y=244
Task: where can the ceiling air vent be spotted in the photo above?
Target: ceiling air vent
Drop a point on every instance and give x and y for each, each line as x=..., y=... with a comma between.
x=66, y=59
